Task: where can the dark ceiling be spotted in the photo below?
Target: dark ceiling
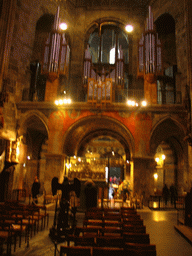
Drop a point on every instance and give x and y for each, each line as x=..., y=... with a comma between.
x=117, y=3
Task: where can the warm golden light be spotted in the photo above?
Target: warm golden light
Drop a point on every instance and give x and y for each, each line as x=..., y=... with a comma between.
x=143, y=103
x=155, y=176
x=129, y=28
x=68, y=166
x=62, y=102
x=63, y=26
x=163, y=157
x=158, y=216
x=157, y=159
x=132, y=103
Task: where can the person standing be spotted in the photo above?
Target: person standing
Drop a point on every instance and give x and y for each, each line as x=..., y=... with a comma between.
x=35, y=189
x=165, y=194
x=173, y=193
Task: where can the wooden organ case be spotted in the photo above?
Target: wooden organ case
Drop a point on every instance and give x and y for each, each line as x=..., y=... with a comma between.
x=101, y=80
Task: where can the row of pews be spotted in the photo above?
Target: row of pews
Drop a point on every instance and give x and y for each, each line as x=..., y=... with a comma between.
x=109, y=232
x=18, y=221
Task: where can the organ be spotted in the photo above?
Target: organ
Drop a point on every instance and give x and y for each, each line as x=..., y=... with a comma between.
x=55, y=59
x=150, y=59
x=101, y=79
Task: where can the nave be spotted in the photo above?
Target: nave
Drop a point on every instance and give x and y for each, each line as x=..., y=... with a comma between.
x=159, y=226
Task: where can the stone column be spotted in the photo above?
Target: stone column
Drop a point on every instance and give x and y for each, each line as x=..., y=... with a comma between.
x=143, y=180
x=6, y=32
x=150, y=88
x=188, y=24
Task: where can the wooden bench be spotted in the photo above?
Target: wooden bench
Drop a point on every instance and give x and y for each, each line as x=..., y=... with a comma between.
x=140, y=238
x=126, y=215
x=134, y=229
x=104, y=251
x=96, y=223
x=136, y=222
x=87, y=231
x=75, y=251
x=111, y=231
x=110, y=241
x=81, y=240
x=136, y=246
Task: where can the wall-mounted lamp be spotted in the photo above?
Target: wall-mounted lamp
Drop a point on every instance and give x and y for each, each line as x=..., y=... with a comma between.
x=63, y=26
x=133, y=103
x=155, y=175
x=129, y=28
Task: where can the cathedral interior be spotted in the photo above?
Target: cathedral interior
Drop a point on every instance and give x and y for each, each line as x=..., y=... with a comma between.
x=97, y=90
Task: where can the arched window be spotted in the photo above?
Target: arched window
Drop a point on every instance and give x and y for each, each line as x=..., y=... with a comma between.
x=111, y=39
x=38, y=81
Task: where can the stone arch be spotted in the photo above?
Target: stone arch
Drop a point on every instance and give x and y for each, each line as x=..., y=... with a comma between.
x=87, y=128
x=169, y=131
x=32, y=115
x=43, y=27
x=164, y=129
x=34, y=129
x=165, y=27
x=103, y=21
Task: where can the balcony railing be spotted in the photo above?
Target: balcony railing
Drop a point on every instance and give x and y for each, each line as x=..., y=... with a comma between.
x=169, y=97
x=122, y=95
x=132, y=94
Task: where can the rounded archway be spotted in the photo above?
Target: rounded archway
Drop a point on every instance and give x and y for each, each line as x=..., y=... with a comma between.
x=88, y=128
x=168, y=146
x=99, y=148
x=34, y=132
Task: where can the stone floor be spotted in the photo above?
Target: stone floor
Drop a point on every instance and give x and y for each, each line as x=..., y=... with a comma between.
x=161, y=227
x=159, y=224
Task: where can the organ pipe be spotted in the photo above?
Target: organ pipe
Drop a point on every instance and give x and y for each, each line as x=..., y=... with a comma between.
x=56, y=51
x=150, y=59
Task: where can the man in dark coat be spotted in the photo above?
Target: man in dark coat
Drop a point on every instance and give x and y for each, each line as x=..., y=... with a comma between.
x=173, y=193
x=35, y=189
x=165, y=194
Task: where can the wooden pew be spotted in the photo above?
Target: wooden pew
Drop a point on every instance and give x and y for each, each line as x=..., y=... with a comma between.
x=104, y=251
x=110, y=241
x=133, y=222
x=75, y=251
x=139, y=238
x=144, y=247
x=87, y=231
x=111, y=231
x=134, y=229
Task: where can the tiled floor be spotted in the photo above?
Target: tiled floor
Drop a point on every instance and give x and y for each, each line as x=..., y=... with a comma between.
x=159, y=225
